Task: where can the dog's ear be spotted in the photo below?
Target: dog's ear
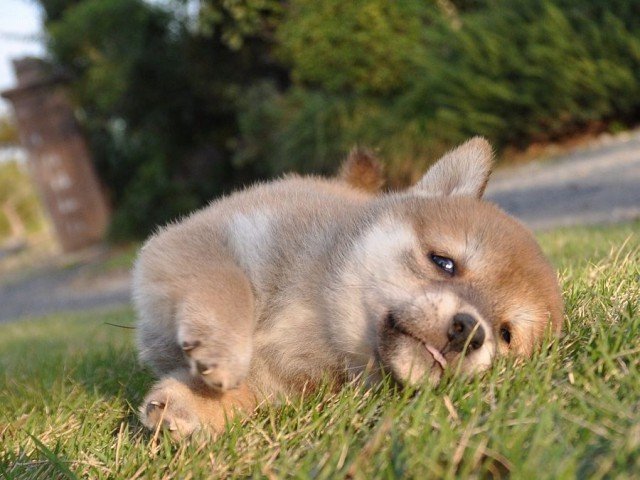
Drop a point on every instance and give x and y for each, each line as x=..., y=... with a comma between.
x=363, y=170
x=465, y=170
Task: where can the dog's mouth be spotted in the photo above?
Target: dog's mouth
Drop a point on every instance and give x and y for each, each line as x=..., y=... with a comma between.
x=437, y=356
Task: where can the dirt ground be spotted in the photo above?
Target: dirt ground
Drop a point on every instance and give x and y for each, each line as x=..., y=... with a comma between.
x=597, y=183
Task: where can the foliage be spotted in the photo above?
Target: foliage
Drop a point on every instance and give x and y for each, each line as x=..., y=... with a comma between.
x=8, y=132
x=524, y=70
x=184, y=100
x=20, y=212
x=237, y=21
x=365, y=46
x=69, y=406
x=516, y=71
x=304, y=131
x=158, y=101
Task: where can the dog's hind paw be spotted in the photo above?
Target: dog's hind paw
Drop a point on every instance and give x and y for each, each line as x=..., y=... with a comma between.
x=165, y=409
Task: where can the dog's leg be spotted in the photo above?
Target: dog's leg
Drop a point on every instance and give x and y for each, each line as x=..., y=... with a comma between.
x=184, y=404
x=215, y=324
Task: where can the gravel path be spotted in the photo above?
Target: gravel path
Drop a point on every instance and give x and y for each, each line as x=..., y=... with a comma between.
x=596, y=184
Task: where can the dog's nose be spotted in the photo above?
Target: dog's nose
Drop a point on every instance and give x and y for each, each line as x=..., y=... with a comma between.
x=464, y=328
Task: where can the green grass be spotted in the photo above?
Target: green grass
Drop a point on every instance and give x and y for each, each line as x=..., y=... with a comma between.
x=70, y=385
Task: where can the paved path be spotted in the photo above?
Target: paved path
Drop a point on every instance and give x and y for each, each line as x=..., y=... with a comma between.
x=63, y=288
x=596, y=184
x=592, y=185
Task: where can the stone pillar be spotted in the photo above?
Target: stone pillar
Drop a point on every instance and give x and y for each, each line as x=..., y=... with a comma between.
x=59, y=159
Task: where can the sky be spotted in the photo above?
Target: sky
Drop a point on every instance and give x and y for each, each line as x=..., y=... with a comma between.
x=20, y=31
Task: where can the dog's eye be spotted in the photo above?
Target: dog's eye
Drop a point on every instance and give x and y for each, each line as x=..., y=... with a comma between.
x=444, y=263
x=505, y=334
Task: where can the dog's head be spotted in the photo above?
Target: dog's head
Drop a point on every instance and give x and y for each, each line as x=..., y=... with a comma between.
x=452, y=280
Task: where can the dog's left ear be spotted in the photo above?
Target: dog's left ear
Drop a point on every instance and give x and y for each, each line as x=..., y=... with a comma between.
x=465, y=170
x=363, y=170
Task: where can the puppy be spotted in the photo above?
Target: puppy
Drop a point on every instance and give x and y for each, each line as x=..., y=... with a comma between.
x=271, y=290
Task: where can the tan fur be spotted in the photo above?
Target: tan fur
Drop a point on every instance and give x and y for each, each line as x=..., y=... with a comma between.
x=271, y=290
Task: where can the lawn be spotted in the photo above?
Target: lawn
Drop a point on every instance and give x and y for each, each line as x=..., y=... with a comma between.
x=70, y=386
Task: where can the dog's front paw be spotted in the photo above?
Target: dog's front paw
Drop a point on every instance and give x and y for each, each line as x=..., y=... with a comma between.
x=166, y=407
x=220, y=368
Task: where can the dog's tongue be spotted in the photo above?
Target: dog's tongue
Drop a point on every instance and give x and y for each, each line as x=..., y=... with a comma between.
x=437, y=356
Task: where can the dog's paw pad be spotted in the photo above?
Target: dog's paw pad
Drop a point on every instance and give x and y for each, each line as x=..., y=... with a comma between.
x=170, y=416
x=189, y=346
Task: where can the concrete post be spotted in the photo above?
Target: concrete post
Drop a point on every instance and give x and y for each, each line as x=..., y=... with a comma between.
x=59, y=159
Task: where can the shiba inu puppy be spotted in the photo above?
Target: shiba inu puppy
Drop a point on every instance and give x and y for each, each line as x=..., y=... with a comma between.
x=270, y=290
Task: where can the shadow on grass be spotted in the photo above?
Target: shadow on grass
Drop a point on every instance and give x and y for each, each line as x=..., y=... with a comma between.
x=116, y=376
x=113, y=373
x=44, y=358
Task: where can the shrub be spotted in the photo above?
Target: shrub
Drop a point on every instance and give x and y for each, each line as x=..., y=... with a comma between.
x=516, y=71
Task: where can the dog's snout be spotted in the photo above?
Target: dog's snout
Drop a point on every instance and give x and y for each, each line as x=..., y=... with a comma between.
x=465, y=328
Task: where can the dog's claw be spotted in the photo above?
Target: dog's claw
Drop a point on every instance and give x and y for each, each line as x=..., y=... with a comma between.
x=188, y=346
x=155, y=405
x=204, y=369
x=168, y=425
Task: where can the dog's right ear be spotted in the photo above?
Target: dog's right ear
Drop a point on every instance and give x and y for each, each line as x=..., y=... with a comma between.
x=465, y=170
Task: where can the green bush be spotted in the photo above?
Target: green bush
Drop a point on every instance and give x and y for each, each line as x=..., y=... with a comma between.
x=516, y=71
x=300, y=130
x=527, y=70
x=181, y=106
x=364, y=46
x=19, y=198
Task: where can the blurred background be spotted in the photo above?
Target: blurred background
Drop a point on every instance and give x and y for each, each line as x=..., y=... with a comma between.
x=179, y=101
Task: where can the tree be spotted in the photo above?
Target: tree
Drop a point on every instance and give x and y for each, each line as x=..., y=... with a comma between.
x=158, y=95
x=414, y=78
x=179, y=106
x=527, y=70
x=363, y=46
